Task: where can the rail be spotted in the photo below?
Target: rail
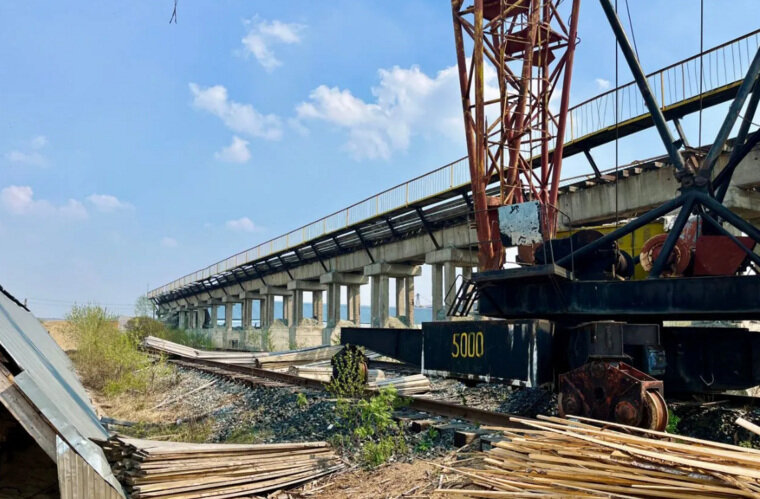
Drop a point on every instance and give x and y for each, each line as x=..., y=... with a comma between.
x=723, y=66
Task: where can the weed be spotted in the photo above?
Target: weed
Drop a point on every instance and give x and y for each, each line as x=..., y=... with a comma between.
x=349, y=367
x=106, y=359
x=301, y=401
x=192, y=431
x=247, y=434
x=367, y=427
x=428, y=440
x=673, y=421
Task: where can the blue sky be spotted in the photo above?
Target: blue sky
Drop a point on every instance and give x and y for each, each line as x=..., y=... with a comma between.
x=134, y=151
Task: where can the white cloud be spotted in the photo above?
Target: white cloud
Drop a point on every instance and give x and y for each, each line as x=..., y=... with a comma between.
x=31, y=156
x=602, y=84
x=108, y=203
x=263, y=34
x=240, y=118
x=236, y=152
x=169, y=242
x=243, y=224
x=19, y=200
x=406, y=102
x=73, y=209
x=38, y=142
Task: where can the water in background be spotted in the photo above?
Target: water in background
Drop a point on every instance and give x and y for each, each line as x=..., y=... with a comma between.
x=420, y=314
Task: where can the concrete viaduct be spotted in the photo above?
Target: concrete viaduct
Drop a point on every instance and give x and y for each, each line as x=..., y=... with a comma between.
x=395, y=247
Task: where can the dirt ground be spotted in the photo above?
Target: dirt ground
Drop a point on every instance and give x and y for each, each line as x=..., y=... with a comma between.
x=415, y=479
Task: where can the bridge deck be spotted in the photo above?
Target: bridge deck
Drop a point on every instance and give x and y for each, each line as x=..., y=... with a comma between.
x=441, y=197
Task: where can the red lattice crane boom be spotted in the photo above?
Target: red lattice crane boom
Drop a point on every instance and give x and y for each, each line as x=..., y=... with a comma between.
x=529, y=49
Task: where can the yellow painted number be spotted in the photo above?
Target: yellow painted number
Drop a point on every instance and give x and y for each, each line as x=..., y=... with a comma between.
x=467, y=345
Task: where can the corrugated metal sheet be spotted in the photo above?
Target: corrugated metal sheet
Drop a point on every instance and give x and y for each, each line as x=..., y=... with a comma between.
x=49, y=382
x=77, y=479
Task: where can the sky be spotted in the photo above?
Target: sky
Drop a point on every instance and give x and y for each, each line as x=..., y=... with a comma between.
x=134, y=151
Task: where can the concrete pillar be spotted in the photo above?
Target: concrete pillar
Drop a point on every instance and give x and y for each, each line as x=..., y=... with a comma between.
x=317, y=307
x=286, y=310
x=268, y=312
x=182, y=320
x=449, y=279
x=380, y=300
x=409, y=300
x=246, y=313
x=333, y=304
x=296, y=312
x=438, y=312
x=354, y=304
x=228, y=316
x=400, y=297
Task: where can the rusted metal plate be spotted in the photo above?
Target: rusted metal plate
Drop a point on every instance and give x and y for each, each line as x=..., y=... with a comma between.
x=520, y=224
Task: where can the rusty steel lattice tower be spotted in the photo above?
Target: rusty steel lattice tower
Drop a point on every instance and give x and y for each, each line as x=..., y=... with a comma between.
x=529, y=48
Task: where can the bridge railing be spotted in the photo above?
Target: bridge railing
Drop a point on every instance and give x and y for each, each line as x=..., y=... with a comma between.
x=723, y=65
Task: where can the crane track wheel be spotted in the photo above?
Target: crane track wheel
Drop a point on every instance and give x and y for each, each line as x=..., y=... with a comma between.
x=613, y=391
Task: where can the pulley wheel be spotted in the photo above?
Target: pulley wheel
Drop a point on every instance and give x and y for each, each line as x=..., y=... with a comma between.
x=656, y=411
x=678, y=261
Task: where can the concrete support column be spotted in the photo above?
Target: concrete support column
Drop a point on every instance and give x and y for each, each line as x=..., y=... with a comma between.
x=354, y=304
x=182, y=319
x=409, y=300
x=228, y=316
x=268, y=312
x=333, y=304
x=380, y=273
x=317, y=307
x=400, y=297
x=449, y=278
x=438, y=312
x=286, y=310
x=296, y=312
x=246, y=313
x=380, y=300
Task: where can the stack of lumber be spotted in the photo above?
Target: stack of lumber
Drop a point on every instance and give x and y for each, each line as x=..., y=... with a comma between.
x=324, y=372
x=404, y=385
x=151, y=469
x=588, y=458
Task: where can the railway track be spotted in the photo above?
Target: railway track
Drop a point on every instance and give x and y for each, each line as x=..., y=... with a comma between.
x=264, y=377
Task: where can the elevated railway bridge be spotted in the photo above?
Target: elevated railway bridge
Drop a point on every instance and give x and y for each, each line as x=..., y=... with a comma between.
x=427, y=220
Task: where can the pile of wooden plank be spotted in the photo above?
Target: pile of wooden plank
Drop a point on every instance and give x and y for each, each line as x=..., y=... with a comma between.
x=404, y=385
x=151, y=469
x=324, y=372
x=588, y=458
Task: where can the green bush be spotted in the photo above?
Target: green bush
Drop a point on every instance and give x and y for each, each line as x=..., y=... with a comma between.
x=106, y=359
x=141, y=327
x=367, y=427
